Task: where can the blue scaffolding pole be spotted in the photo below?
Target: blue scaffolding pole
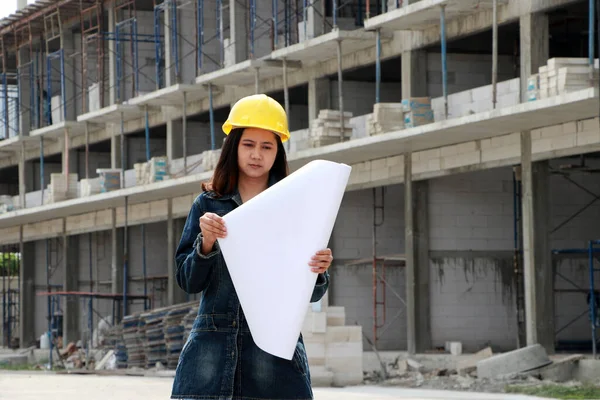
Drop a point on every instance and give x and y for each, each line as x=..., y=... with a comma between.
x=592, y=303
x=158, y=10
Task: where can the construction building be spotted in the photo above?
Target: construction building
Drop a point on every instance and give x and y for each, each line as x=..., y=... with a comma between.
x=472, y=127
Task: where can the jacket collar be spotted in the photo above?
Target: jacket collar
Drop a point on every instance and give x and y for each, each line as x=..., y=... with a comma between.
x=235, y=195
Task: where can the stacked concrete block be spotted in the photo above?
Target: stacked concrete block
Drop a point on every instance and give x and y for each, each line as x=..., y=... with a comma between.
x=327, y=128
x=563, y=75
x=386, y=117
x=56, y=109
x=299, y=140
x=62, y=187
x=334, y=350
x=478, y=100
x=89, y=187
x=155, y=170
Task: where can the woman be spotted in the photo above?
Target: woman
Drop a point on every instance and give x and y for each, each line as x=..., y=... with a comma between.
x=220, y=360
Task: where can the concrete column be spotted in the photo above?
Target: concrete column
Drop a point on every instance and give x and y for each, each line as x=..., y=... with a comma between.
x=535, y=44
x=70, y=71
x=314, y=25
x=414, y=73
x=112, y=56
x=69, y=157
x=25, y=170
x=70, y=256
x=174, y=227
x=318, y=97
x=174, y=139
x=115, y=149
x=537, y=263
x=238, y=15
x=417, y=261
x=170, y=78
x=27, y=334
x=116, y=272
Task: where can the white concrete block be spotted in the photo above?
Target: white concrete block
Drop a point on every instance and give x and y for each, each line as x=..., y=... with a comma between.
x=455, y=348
x=336, y=316
x=319, y=322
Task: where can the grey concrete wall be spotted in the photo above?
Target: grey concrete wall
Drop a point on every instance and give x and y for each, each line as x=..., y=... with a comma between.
x=471, y=243
x=465, y=71
x=359, y=97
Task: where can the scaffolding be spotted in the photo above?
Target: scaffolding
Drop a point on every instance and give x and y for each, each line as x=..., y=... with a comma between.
x=10, y=273
x=93, y=53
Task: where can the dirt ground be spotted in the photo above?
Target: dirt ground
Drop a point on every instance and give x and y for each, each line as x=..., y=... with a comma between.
x=49, y=386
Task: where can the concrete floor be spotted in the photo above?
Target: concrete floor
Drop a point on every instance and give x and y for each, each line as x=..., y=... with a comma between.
x=35, y=386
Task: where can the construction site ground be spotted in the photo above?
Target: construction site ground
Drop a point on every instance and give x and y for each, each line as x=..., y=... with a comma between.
x=51, y=386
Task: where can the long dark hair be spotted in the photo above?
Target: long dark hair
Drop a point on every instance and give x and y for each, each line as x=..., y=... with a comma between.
x=225, y=178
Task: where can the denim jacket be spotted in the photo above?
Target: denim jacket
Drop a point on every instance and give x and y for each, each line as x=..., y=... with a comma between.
x=219, y=360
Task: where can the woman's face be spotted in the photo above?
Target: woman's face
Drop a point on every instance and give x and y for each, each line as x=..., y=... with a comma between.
x=256, y=152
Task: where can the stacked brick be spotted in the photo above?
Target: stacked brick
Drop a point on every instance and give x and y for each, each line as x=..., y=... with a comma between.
x=327, y=128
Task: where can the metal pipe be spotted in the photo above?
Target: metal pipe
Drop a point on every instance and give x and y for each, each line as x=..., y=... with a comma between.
x=174, y=40
x=90, y=301
x=200, y=23
x=144, y=266
x=87, y=151
x=184, y=136
x=592, y=297
x=213, y=140
x=49, y=303
x=305, y=17
x=125, y=258
x=378, y=68
x=146, y=133
x=42, y=184
x=334, y=11
x=220, y=29
x=4, y=320
x=340, y=88
x=591, y=38
x=495, y=54
x=275, y=11
x=256, y=80
x=444, y=66
x=157, y=46
x=63, y=84
x=252, y=26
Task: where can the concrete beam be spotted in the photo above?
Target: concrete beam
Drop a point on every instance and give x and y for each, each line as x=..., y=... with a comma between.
x=537, y=263
x=27, y=334
x=94, y=213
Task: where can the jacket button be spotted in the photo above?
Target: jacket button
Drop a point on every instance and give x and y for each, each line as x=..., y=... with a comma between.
x=232, y=354
x=234, y=323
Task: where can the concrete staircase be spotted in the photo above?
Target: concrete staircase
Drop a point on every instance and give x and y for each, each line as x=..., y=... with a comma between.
x=334, y=350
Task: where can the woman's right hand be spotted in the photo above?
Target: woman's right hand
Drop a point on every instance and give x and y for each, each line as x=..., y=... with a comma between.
x=213, y=228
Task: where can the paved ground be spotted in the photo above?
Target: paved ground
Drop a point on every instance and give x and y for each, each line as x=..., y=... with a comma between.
x=36, y=386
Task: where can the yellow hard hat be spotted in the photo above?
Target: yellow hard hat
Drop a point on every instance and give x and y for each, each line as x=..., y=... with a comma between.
x=258, y=111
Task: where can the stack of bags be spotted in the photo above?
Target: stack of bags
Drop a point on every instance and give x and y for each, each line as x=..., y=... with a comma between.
x=110, y=179
x=417, y=111
x=155, y=170
x=327, y=128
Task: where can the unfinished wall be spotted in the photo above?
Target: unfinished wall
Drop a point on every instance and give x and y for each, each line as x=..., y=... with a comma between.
x=359, y=97
x=465, y=71
x=156, y=264
x=352, y=286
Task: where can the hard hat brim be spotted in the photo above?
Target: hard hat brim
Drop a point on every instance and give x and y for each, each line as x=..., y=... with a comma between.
x=228, y=127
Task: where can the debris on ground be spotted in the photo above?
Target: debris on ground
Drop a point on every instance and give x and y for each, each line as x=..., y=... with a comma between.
x=409, y=373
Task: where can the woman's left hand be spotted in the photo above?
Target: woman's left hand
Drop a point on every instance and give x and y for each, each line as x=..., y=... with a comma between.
x=321, y=261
